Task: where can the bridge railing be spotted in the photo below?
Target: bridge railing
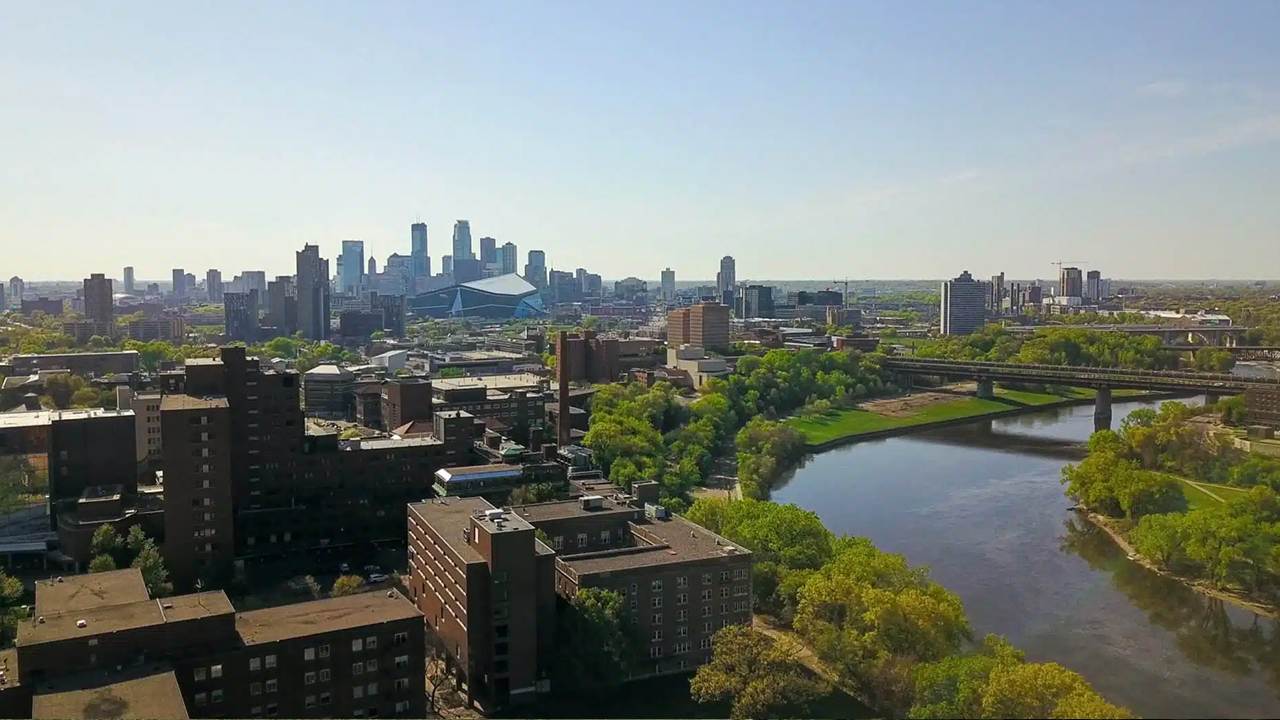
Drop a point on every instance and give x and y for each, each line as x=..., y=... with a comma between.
x=1081, y=371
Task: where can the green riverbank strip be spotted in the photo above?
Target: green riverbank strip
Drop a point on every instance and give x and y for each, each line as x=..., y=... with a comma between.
x=845, y=424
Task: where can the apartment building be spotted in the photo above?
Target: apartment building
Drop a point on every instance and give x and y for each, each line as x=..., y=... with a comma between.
x=486, y=585
x=704, y=324
x=99, y=642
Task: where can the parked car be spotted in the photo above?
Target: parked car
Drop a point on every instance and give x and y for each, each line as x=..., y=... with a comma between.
x=377, y=577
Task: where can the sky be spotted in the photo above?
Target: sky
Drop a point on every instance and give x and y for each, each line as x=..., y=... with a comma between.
x=808, y=139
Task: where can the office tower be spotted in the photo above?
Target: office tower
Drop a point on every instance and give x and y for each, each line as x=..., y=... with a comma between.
x=705, y=325
x=352, y=267
x=128, y=281
x=282, y=305
x=963, y=307
x=488, y=251
x=213, y=285
x=97, y=298
x=755, y=301
x=312, y=280
x=467, y=269
x=1070, y=282
x=507, y=258
x=592, y=285
x=446, y=264
x=535, y=271
x=240, y=315
x=16, y=289
x=392, y=309
x=726, y=279
x=4, y=304
x=668, y=284
x=1093, y=285
x=373, y=268
x=179, y=280
x=189, y=284
x=418, y=250
x=564, y=287
x=996, y=295
x=462, y=240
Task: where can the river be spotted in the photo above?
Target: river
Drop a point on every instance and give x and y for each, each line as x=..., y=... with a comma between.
x=982, y=506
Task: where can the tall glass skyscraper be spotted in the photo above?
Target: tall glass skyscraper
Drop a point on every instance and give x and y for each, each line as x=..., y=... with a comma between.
x=352, y=266
x=462, y=240
x=418, y=250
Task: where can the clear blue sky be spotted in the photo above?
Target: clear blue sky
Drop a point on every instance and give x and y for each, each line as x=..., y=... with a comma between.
x=808, y=139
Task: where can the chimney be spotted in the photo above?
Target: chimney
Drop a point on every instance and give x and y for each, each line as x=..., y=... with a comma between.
x=563, y=419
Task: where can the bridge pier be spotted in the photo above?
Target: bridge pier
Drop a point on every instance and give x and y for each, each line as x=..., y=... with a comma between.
x=986, y=389
x=1102, y=410
x=1211, y=398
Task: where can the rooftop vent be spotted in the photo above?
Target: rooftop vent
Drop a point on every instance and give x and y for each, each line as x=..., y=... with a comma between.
x=391, y=593
x=82, y=623
x=592, y=502
x=167, y=605
x=59, y=579
x=40, y=620
x=495, y=514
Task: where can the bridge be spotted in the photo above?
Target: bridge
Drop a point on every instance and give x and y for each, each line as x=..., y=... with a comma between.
x=1103, y=380
x=1217, y=335
x=1241, y=352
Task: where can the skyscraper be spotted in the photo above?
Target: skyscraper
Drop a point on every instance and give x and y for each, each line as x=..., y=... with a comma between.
x=996, y=296
x=963, y=307
x=1070, y=282
x=240, y=316
x=213, y=285
x=535, y=271
x=312, y=281
x=97, y=298
x=128, y=279
x=16, y=289
x=418, y=250
x=668, y=284
x=1093, y=285
x=446, y=264
x=462, y=240
x=726, y=279
x=282, y=305
x=352, y=267
x=488, y=251
x=507, y=258
x=179, y=282
x=373, y=267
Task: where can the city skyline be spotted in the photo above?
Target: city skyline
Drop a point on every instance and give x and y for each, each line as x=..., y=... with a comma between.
x=892, y=142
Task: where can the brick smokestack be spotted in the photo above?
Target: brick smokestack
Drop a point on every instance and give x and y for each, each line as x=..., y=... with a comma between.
x=563, y=420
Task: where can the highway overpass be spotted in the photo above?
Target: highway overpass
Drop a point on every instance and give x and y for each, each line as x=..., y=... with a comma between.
x=1103, y=380
x=1218, y=335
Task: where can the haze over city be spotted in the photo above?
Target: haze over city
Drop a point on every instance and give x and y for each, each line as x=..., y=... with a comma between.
x=868, y=140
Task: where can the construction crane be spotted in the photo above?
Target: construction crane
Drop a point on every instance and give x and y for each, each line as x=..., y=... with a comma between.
x=1060, y=263
x=844, y=299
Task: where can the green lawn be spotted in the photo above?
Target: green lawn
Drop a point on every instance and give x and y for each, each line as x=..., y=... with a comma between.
x=1027, y=397
x=848, y=423
x=1198, y=493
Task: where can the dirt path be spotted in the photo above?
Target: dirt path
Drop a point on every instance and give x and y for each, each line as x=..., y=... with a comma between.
x=1205, y=490
x=912, y=403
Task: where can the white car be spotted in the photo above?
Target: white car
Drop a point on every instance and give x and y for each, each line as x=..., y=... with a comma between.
x=377, y=577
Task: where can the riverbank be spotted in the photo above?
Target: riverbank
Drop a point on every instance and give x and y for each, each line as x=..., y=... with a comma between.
x=841, y=427
x=1112, y=528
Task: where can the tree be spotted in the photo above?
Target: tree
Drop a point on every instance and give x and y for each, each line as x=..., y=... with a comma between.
x=11, y=595
x=596, y=646
x=1043, y=690
x=347, y=585
x=759, y=676
x=953, y=687
x=101, y=563
x=151, y=564
x=106, y=541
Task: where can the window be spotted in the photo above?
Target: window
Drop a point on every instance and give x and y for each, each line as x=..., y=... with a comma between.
x=357, y=668
x=357, y=692
x=724, y=608
x=402, y=706
x=309, y=654
x=682, y=581
x=271, y=661
x=371, y=665
x=255, y=688
x=370, y=643
x=740, y=574
x=604, y=537
x=402, y=662
x=704, y=643
x=558, y=542
x=656, y=601
x=255, y=664
x=724, y=592
x=706, y=578
x=272, y=684
x=656, y=636
x=655, y=651
x=216, y=695
x=682, y=631
x=400, y=638
x=706, y=596
x=310, y=701
x=324, y=650
x=202, y=698
x=324, y=675
x=309, y=679
x=682, y=599
x=706, y=611
x=326, y=698
x=372, y=689
x=656, y=619
x=681, y=648
x=656, y=586
x=634, y=588
x=402, y=684
x=724, y=576
x=200, y=674
x=582, y=540
x=272, y=709
x=706, y=628
x=357, y=645
x=255, y=710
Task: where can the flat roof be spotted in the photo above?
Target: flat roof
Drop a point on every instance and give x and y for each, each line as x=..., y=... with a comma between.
x=35, y=418
x=450, y=517
x=479, y=472
x=328, y=370
x=150, y=692
x=391, y=443
x=563, y=509
x=676, y=540
x=202, y=361
x=80, y=592
x=124, y=616
x=191, y=402
x=490, y=382
x=91, y=353
x=323, y=616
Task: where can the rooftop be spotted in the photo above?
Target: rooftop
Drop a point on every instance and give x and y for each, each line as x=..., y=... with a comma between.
x=139, y=692
x=100, y=619
x=80, y=592
x=392, y=443
x=478, y=472
x=191, y=402
x=451, y=517
x=203, y=361
x=510, y=381
x=328, y=372
x=659, y=542
x=563, y=509
x=33, y=418
x=323, y=616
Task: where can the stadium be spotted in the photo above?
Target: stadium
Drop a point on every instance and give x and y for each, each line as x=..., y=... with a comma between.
x=497, y=298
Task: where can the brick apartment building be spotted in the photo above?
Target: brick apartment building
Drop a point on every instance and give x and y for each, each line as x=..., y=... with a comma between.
x=704, y=324
x=488, y=587
x=99, y=646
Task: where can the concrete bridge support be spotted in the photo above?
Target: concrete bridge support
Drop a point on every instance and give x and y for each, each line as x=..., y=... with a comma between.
x=986, y=389
x=1211, y=397
x=1102, y=410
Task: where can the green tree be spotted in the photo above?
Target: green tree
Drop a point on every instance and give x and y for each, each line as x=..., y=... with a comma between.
x=596, y=644
x=12, y=593
x=107, y=542
x=1043, y=690
x=154, y=574
x=101, y=563
x=347, y=585
x=953, y=686
x=759, y=676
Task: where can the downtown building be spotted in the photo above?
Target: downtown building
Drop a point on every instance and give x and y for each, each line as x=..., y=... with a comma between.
x=963, y=305
x=704, y=325
x=490, y=590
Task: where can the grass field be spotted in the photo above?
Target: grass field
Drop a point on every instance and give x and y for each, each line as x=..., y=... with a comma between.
x=849, y=423
x=1202, y=495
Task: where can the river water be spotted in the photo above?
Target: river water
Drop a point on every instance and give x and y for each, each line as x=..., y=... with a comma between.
x=982, y=506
